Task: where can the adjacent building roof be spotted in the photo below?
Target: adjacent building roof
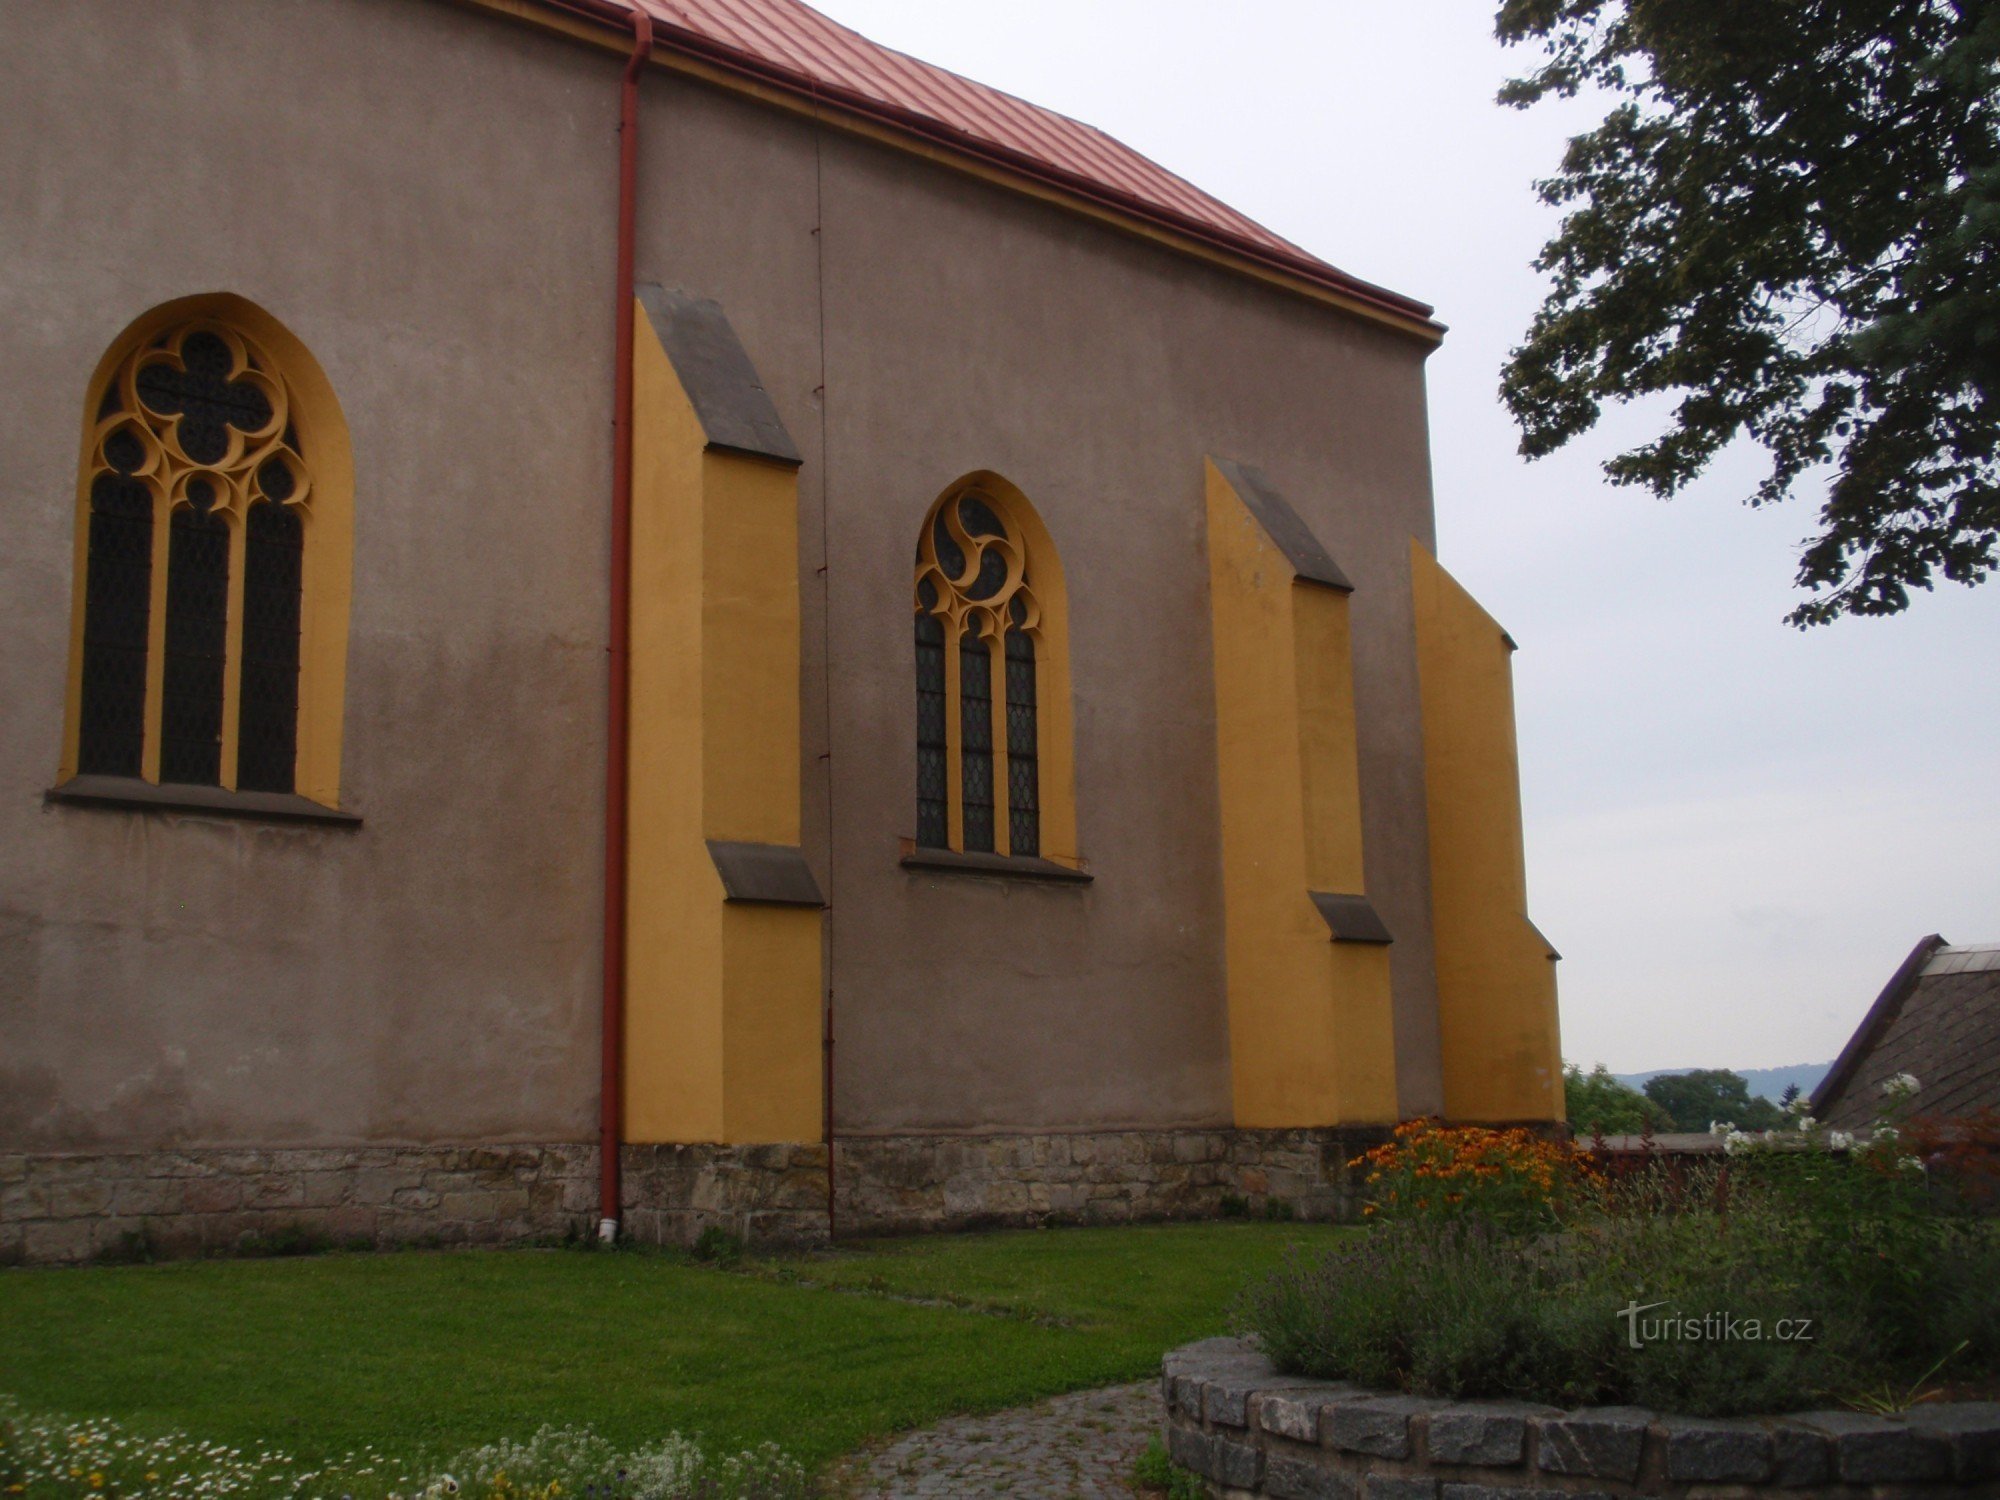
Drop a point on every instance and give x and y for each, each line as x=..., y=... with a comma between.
x=1938, y=1019
x=791, y=45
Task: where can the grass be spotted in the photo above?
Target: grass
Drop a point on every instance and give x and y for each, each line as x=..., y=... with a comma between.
x=441, y=1351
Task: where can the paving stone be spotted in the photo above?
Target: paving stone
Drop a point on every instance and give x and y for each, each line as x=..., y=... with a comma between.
x=1076, y=1447
x=1287, y=1478
x=1191, y=1449
x=1881, y=1450
x=1704, y=1451
x=1377, y=1425
x=1971, y=1429
x=1232, y=1462
x=1600, y=1442
x=1294, y=1416
x=1800, y=1456
x=1490, y=1435
x=1394, y=1487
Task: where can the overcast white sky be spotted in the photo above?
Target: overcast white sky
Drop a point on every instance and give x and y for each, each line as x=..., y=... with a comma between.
x=1735, y=831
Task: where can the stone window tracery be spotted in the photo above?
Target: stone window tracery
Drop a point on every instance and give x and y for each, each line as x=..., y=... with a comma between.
x=978, y=731
x=199, y=500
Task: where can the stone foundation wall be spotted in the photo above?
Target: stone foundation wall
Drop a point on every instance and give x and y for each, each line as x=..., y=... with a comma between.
x=65, y=1208
x=764, y=1195
x=56, y=1209
x=1249, y=1431
x=901, y=1183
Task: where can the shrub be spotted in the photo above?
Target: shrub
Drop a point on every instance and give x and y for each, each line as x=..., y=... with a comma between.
x=1454, y=1306
x=1515, y=1180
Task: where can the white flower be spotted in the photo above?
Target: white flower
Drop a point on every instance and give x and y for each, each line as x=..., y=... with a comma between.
x=1720, y=1127
x=1807, y=1124
x=1884, y=1134
x=1801, y=1104
x=1901, y=1086
x=1910, y=1164
x=1839, y=1140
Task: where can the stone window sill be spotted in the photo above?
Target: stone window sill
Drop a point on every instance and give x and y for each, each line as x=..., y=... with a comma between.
x=132, y=793
x=1005, y=866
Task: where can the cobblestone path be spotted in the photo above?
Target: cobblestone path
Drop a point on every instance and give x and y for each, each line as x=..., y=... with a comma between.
x=1075, y=1447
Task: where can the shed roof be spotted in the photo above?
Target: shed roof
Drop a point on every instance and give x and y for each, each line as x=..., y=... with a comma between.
x=789, y=44
x=1937, y=1019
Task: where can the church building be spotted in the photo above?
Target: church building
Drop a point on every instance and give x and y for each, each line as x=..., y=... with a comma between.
x=636, y=615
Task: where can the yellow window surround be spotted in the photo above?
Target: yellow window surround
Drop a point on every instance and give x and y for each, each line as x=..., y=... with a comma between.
x=987, y=568
x=299, y=429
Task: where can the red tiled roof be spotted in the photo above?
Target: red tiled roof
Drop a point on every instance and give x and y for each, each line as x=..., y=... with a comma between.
x=792, y=45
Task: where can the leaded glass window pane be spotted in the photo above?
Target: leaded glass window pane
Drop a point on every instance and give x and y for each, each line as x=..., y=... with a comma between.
x=273, y=568
x=1024, y=817
x=975, y=731
x=117, y=612
x=197, y=636
x=933, y=786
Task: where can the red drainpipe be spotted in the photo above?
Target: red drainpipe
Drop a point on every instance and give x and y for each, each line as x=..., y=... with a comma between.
x=616, y=774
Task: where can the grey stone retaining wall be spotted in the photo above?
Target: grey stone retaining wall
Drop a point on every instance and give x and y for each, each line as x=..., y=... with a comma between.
x=67, y=1207
x=1250, y=1431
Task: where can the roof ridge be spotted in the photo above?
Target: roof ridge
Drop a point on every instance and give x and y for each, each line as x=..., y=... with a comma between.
x=791, y=45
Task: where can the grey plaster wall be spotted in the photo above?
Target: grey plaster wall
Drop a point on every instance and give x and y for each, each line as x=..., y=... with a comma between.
x=424, y=194
x=968, y=328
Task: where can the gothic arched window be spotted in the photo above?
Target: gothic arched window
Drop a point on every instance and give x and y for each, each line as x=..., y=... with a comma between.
x=213, y=566
x=988, y=643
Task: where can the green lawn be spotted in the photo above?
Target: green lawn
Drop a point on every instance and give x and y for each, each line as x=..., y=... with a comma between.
x=439, y=1351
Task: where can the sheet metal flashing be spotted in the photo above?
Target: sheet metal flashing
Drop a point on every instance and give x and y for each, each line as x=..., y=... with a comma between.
x=729, y=400
x=1284, y=526
x=764, y=874
x=1351, y=919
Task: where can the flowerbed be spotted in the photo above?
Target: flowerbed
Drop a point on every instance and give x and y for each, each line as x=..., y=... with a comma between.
x=1786, y=1275
x=46, y=1456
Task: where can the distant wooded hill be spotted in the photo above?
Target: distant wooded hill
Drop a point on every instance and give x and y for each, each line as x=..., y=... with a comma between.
x=1768, y=1083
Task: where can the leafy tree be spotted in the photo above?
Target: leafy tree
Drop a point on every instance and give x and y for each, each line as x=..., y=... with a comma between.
x=1789, y=221
x=1598, y=1104
x=1698, y=1099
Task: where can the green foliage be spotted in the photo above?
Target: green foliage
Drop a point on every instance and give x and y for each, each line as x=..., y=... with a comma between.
x=1233, y=1206
x=437, y=1353
x=1154, y=1473
x=717, y=1246
x=1708, y=1096
x=1598, y=1104
x=1789, y=224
